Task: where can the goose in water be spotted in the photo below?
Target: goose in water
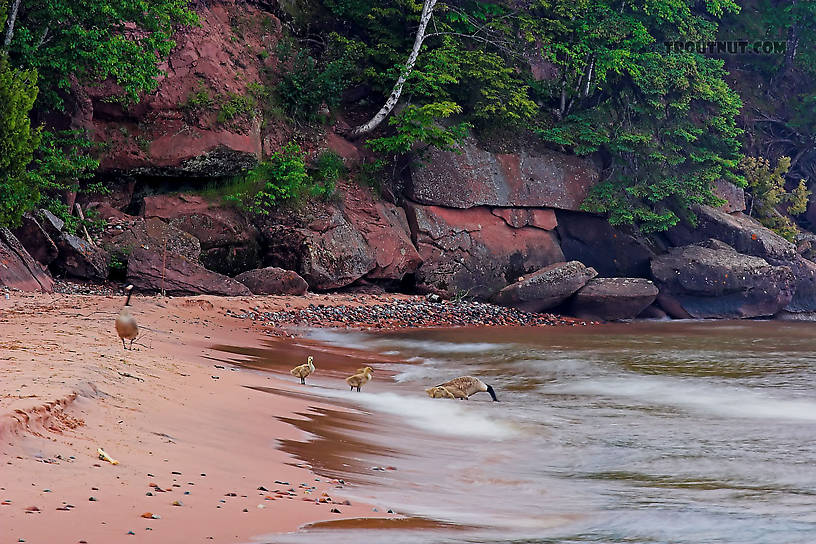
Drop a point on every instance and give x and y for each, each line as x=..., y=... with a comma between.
x=126, y=326
x=467, y=386
x=304, y=370
x=360, y=379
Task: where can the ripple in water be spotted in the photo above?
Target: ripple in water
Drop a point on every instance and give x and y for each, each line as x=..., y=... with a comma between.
x=644, y=433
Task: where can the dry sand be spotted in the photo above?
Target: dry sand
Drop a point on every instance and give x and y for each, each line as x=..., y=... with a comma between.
x=194, y=442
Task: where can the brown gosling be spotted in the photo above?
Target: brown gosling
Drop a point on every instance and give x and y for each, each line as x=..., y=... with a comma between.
x=440, y=392
x=360, y=379
x=304, y=370
x=468, y=385
x=126, y=326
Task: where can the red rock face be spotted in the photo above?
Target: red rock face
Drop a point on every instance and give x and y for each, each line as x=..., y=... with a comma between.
x=475, y=177
x=473, y=252
x=163, y=134
x=385, y=230
x=524, y=217
x=17, y=269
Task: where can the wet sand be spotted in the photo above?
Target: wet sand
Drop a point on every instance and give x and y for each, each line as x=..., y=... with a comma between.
x=201, y=449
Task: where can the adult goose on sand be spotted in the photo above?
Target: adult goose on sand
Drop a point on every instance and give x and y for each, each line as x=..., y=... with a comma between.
x=467, y=386
x=360, y=379
x=126, y=326
x=304, y=370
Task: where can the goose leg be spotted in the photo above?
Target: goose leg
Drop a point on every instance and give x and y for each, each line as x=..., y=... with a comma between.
x=123, y=344
x=358, y=388
x=303, y=381
x=131, y=344
x=351, y=388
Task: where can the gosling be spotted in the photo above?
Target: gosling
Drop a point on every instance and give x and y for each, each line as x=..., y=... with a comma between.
x=126, y=326
x=360, y=379
x=304, y=370
x=468, y=385
x=440, y=392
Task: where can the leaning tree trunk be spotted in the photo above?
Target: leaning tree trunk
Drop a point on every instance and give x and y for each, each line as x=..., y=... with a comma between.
x=396, y=92
x=12, y=18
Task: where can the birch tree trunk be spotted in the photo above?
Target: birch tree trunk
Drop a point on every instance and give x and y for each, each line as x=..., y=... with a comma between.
x=396, y=92
x=12, y=18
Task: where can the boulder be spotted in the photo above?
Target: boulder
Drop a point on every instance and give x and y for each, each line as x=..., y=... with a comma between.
x=474, y=252
x=321, y=245
x=80, y=259
x=475, y=177
x=37, y=242
x=613, y=299
x=151, y=234
x=744, y=234
x=712, y=280
x=273, y=281
x=229, y=242
x=18, y=269
x=613, y=252
x=179, y=276
x=545, y=288
x=734, y=196
x=527, y=217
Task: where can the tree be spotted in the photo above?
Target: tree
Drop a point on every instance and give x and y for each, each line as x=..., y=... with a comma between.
x=18, y=142
x=91, y=41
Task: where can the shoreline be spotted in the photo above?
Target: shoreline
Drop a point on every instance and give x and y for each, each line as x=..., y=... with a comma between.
x=166, y=408
x=165, y=411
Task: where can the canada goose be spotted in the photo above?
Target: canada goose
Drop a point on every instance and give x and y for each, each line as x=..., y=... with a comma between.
x=360, y=379
x=440, y=392
x=468, y=385
x=304, y=370
x=126, y=326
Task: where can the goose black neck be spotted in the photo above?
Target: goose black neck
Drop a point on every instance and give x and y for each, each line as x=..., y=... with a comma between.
x=492, y=393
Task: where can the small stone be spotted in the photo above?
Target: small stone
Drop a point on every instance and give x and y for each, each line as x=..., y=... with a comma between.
x=335, y=511
x=262, y=488
x=177, y=503
x=149, y=493
x=131, y=533
x=92, y=499
x=246, y=510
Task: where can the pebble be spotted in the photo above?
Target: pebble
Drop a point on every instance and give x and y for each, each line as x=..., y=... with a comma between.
x=92, y=499
x=416, y=312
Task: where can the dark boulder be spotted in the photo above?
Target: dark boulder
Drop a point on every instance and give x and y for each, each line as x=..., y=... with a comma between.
x=150, y=271
x=18, y=269
x=475, y=253
x=122, y=237
x=712, y=280
x=611, y=251
x=273, y=281
x=545, y=288
x=37, y=242
x=229, y=242
x=613, y=299
x=80, y=259
x=744, y=234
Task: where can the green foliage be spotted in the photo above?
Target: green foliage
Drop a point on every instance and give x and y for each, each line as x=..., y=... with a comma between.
x=666, y=119
x=420, y=125
x=283, y=178
x=93, y=40
x=768, y=194
x=201, y=99
x=327, y=169
x=62, y=161
x=19, y=190
x=308, y=85
x=233, y=106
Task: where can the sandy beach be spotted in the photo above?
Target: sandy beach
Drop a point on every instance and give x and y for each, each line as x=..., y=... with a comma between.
x=194, y=437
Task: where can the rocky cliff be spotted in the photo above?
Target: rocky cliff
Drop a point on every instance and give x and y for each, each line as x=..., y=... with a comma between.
x=473, y=223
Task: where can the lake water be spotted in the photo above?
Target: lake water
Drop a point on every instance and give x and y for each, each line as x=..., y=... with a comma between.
x=655, y=432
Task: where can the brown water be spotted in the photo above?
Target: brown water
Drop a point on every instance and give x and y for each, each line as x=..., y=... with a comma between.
x=667, y=432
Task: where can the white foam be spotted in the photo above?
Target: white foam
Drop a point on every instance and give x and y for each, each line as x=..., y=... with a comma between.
x=440, y=416
x=693, y=395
